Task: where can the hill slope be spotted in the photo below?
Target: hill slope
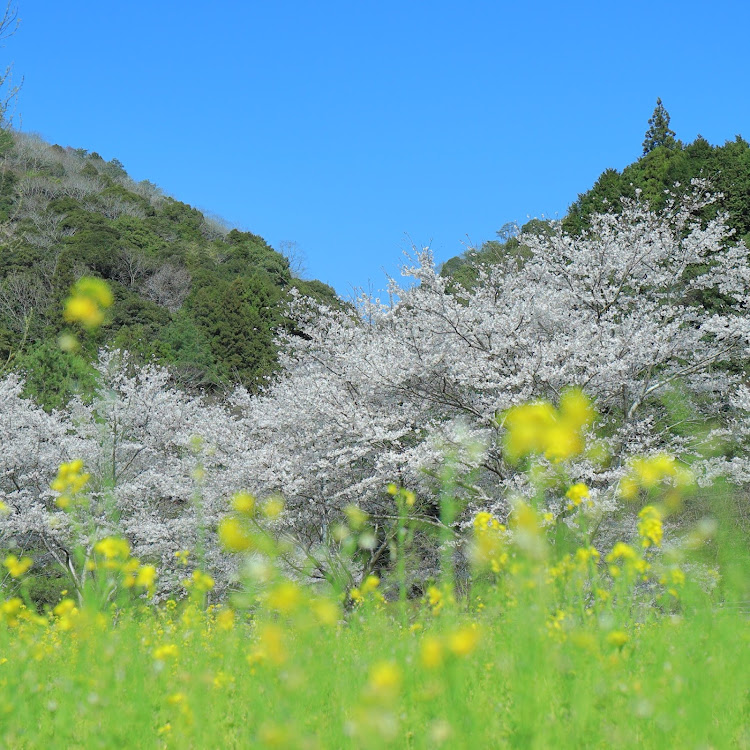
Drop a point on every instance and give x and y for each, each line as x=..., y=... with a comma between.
x=727, y=168
x=188, y=292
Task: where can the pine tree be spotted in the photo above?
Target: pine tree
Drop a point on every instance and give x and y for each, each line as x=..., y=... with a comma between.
x=658, y=133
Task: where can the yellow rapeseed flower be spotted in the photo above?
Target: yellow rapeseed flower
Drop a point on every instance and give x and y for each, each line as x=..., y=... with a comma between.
x=576, y=409
x=199, y=581
x=167, y=651
x=622, y=551
x=385, y=679
x=285, y=597
x=10, y=609
x=69, y=482
x=356, y=516
x=17, y=567
x=87, y=302
x=538, y=428
x=652, y=472
x=326, y=612
x=146, y=576
x=617, y=638
x=435, y=599
x=271, y=643
x=369, y=584
x=584, y=554
x=112, y=548
x=233, y=536
x=577, y=493
x=273, y=508
x=225, y=619
x=484, y=521
x=464, y=640
x=431, y=653
x=245, y=503
x=650, y=527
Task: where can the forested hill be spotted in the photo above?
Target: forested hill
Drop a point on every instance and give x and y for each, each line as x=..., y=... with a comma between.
x=189, y=293
x=666, y=162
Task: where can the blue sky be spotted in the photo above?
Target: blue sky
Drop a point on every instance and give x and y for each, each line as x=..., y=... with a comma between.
x=354, y=128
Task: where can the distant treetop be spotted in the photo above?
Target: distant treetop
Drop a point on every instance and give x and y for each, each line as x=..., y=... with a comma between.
x=658, y=133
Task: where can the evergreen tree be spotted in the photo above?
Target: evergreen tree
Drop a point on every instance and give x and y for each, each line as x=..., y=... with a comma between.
x=658, y=133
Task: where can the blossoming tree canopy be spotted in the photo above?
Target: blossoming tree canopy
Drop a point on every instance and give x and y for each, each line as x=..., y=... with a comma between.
x=390, y=393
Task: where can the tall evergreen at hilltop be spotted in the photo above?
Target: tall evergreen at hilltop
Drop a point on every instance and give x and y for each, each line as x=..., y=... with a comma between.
x=658, y=133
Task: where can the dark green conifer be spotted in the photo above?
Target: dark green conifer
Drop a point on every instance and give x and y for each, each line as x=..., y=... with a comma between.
x=658, y=133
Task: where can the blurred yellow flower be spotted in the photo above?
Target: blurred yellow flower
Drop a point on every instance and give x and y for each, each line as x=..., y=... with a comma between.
x=431, y=653
x=273, y=508
x=464, y=640
x=385, y=679
x=244, y=502
x=146, y=576
x=435, y=598
x=369, y=584
x=199, y=581
x=285, y=597
x=577, y=493
x=325, y=611
x=112, y=548
x=88, y=300
x=538, y=428
x=225, y=619
x=617, y=638
x=69, y=482
x=357, y=517
x=650, y=527
x=652, y=472
x=17, y=567
x=232, y=535
x=168, y=651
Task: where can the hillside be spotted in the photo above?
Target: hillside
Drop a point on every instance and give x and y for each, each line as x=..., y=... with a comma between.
x=662, y=167
x=189, y=292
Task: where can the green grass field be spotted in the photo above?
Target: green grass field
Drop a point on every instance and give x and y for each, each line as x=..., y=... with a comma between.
x=536, y=652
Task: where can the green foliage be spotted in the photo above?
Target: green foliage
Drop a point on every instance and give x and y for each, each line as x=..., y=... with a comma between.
x=465, y=270
x=241, y=329
x=52, y=377
x=214, y=325
x=667, y=166
x=659, y=132
x=188, y=350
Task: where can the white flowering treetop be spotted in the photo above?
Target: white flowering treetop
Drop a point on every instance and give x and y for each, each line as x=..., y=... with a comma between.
x=382, y=396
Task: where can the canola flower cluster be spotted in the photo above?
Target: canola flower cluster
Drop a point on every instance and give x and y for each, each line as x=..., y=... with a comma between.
x=70, y=481
x=267, y=641
x=540, y=429
x=88, y=300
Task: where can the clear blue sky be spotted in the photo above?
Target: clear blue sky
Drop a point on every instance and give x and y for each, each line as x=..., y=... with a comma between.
x=346, y=126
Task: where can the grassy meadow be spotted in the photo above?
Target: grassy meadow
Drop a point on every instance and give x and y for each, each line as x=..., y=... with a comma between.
x=537, y=649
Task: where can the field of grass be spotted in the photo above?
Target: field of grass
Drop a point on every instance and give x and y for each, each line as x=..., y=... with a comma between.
x=587, y=649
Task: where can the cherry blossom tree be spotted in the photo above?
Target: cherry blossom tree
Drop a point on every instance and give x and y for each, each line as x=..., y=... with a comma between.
x=157, y=462
x=384, y=395
x=412, y=392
